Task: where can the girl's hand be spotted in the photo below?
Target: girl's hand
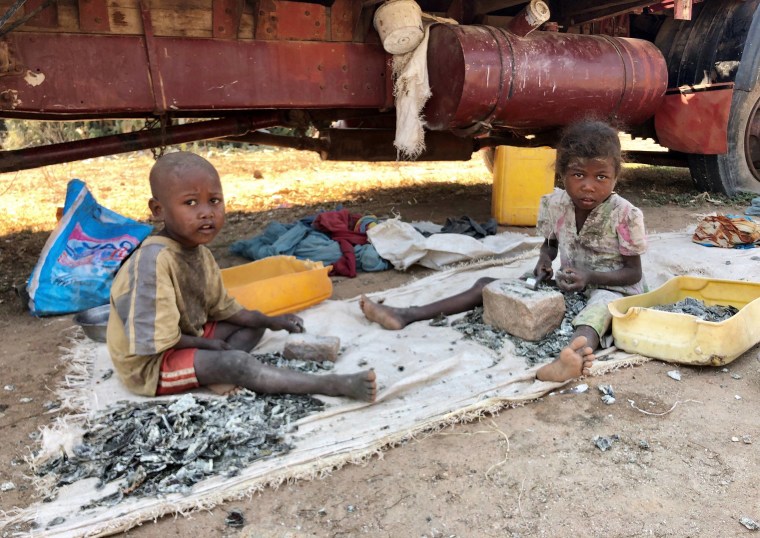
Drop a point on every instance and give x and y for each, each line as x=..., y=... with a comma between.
x=572, y=279
x=287, y=322
x=543, y=270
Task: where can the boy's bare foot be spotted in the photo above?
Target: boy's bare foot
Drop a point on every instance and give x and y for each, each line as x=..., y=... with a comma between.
x=573, y=361
x=359, y=386
x=387, y=316
x=225, y=389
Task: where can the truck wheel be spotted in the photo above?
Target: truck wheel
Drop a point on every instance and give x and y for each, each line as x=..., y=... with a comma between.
x=739, y=169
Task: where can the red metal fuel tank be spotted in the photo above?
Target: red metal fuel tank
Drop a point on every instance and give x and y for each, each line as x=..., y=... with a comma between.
x=547, y=79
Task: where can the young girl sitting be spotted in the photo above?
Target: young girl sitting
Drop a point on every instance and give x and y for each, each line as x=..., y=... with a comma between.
x=598, y=235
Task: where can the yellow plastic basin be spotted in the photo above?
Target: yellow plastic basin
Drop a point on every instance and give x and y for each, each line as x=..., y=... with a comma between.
x=278, y=284
x=683, y=338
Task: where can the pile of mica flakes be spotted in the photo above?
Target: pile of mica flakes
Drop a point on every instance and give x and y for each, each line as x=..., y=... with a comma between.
x=161, y=447
x=473, y=327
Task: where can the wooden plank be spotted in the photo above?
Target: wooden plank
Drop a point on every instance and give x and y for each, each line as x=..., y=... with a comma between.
x=188, y=23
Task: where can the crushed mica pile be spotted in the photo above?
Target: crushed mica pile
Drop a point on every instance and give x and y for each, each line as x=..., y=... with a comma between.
x=473, y=327
x=162, y=447
x=699, y=309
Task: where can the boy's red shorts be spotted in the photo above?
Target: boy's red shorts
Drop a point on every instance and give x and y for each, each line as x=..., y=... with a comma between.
x=177, y=372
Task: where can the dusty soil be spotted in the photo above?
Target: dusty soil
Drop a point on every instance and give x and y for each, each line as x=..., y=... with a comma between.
x=686, y=462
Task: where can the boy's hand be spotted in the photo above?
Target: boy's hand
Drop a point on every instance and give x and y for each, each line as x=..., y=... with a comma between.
x=287, y=322
x=215, y=344
x=572, y=279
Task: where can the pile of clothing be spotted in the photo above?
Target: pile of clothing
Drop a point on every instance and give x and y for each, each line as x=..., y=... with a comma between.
x=337, y=238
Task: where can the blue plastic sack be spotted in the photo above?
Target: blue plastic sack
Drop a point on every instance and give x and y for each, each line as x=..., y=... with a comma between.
x=80, y=258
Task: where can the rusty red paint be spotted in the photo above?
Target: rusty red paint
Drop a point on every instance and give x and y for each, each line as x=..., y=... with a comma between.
x=544, y=80
x=47, y=18
x=342, y=20
x=292, y=20
x=695, y=121
x=93, y=16
x=159, y=95
x=225, y=18
x=204, y=75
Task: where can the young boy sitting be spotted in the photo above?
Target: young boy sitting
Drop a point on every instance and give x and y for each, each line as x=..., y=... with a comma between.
x=173, y=327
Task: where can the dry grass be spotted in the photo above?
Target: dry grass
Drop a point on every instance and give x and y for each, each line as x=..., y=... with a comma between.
x=253, y=182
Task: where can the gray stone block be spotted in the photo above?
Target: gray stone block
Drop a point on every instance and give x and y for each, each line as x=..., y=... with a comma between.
x=309, y=347
x=529, y=314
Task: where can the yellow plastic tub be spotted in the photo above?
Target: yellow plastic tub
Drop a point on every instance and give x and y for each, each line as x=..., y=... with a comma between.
x=278, y=284
x=683, y=338
x=520, y=177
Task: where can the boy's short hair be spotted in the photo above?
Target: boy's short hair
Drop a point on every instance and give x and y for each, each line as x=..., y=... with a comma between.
x=588, y=139
x=175, y=163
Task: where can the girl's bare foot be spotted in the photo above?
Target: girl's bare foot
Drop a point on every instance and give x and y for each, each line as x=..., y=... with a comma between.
x=573, y=361
x=387, y=316
x=359, y=386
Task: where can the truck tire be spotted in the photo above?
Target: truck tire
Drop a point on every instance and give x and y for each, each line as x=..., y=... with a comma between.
x=739, y=169
x=722, y=32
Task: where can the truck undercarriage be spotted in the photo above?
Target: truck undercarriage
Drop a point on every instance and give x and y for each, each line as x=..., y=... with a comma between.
x=682, y=73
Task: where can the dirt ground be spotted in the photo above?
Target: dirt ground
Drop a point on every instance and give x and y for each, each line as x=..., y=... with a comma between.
x=686, y=462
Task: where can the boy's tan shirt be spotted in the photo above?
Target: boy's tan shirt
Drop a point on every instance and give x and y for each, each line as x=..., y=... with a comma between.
x=162, y=291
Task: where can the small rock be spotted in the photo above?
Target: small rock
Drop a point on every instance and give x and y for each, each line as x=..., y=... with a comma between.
x=746, y=439
x=235, y=518
x=578, y=389
x=10, y=388
x=736, y=376
x=606, y=389
x=351, y=508
x=56, y=521
x=310, y=347
x=607, y=399
x=643, y=444
x=675, y=374
x=50, y=405
x=751, y=524
x=737, y=397
x=25, y=400
x=724, y=370
x=734, y=439
x=322, y=512
x=7, y=486
x=605, y=443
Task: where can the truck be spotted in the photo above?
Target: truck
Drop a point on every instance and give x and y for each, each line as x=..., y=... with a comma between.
x=349, y=79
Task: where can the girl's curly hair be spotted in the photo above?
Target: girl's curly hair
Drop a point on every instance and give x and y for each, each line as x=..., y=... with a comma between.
x=589, y=139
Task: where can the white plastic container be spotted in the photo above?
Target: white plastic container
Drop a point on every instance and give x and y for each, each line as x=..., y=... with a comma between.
x=399, y=23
